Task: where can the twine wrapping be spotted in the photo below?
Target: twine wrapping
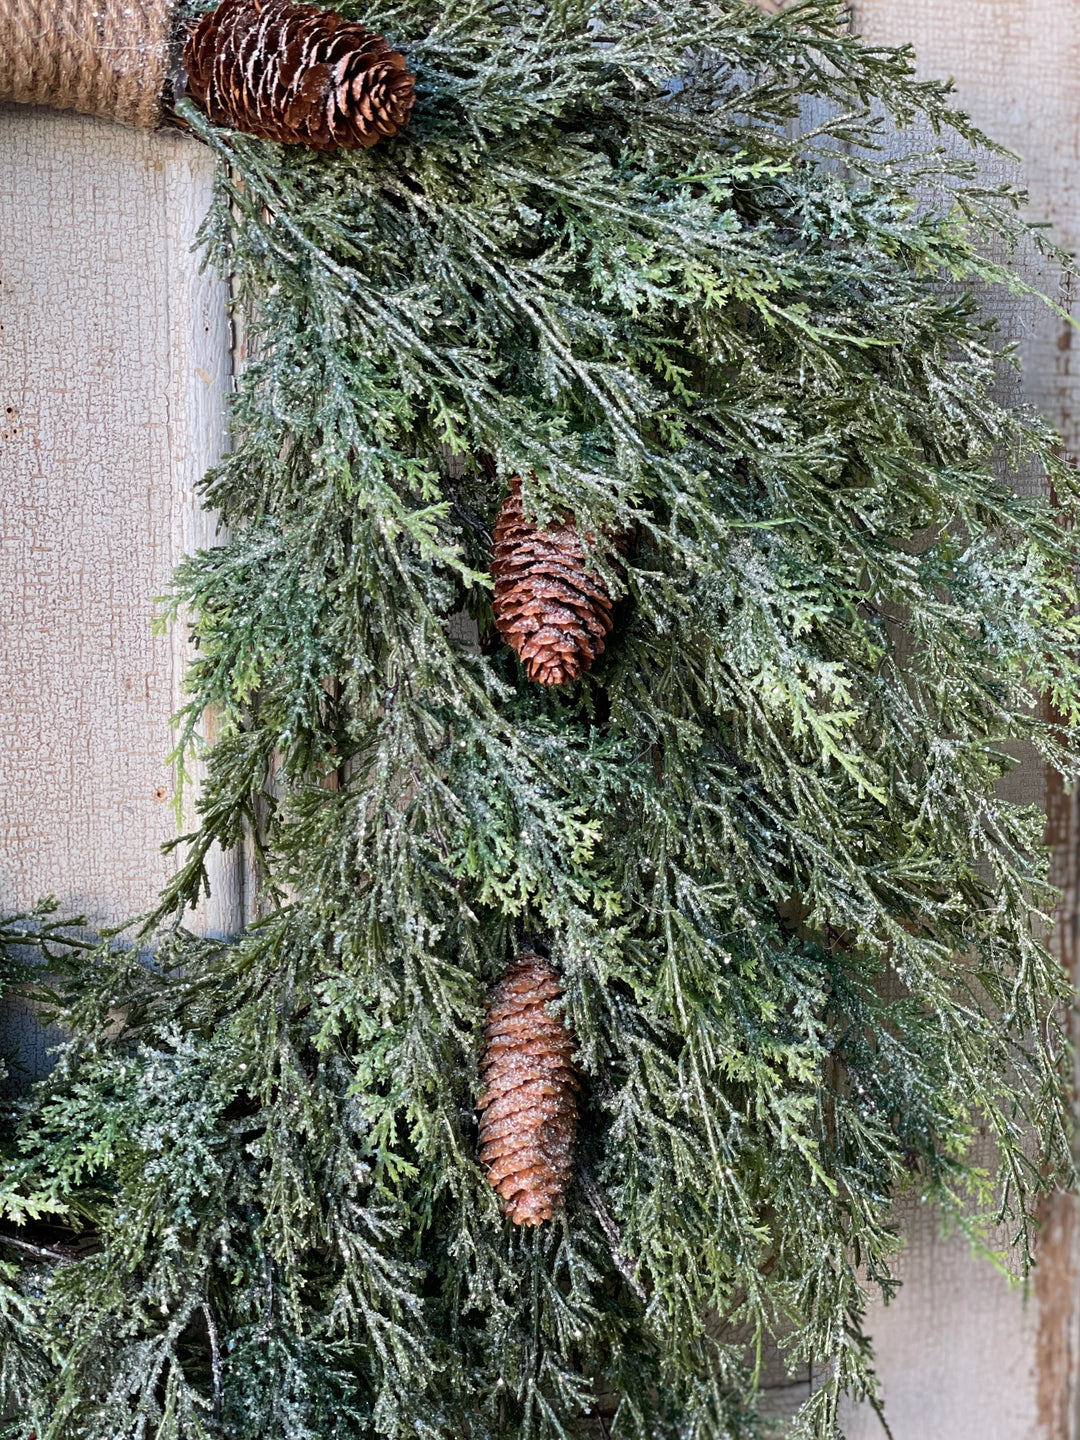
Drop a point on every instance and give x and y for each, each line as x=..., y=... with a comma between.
x=100, y=57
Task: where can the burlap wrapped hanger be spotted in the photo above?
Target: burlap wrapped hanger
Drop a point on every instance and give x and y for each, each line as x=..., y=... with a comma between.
x=100, y=57
x=281, y=70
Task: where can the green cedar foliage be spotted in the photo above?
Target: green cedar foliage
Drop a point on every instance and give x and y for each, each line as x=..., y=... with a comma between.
x=651, y=260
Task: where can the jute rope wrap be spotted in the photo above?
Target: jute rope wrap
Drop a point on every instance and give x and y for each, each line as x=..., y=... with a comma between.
x=100, y=57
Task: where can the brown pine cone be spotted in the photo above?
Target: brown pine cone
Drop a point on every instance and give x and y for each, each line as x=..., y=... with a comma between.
x=529, y=1120
x=548, y=607
x=297, y=75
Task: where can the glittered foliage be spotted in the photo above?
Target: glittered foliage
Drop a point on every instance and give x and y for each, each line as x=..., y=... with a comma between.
x=650, y=261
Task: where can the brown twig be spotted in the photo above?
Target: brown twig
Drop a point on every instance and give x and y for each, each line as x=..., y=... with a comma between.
x=215, y=1355
x=626, y=1268
x=40, y=1252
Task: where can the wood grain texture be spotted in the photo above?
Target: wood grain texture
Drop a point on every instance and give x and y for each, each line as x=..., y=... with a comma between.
x=955, y=1351
x=114, y=358
x=1015, y=64
x=961, y=1355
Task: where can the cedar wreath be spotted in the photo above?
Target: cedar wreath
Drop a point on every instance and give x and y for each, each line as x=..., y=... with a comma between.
x=799, y=926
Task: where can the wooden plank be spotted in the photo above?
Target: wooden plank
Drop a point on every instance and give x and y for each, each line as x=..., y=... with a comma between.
x=962, y=1356
x=114, y=362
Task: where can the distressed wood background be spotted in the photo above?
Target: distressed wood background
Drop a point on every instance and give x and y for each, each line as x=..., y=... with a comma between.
x=114, y=367
x=962, y=1355
x=114, y=361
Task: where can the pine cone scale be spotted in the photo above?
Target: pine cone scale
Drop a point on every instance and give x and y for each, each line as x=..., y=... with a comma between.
x=506, y=1128
x=510, y=1050
x=496, y=1087
x=529, y=1184
x=560, y=1075
x=503, y=1103
x=528, y=1107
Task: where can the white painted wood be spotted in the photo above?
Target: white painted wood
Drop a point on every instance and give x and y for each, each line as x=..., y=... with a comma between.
x=962, y=1356
x=114, y=358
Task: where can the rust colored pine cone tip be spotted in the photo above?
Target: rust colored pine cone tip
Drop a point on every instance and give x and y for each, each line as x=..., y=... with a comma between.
x=548, y=607
x=529, y=1109
x=297, y=75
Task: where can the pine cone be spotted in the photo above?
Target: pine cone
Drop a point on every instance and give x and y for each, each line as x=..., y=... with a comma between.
x=529, y=1120
x=297, y=75
x=554, y=612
